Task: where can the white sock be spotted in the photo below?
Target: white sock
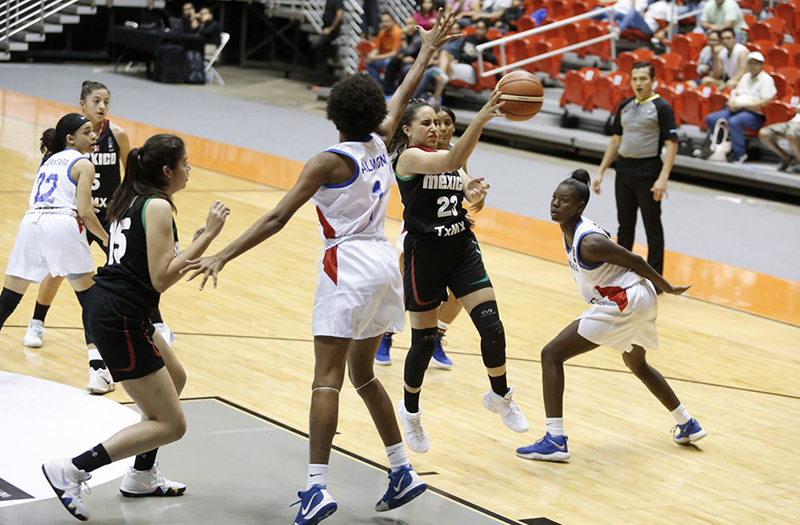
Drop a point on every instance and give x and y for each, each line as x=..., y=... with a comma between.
x=443, y=326
x=681, y=415
x=397, y=456
x=94, y=354
x=555, y=426
x=316, y=475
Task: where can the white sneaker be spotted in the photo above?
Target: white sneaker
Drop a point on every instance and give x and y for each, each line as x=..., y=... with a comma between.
x=412, y=428
x=165, y=332
x=144, y=483
x=67, y=481
x=33, y=337
x=508, y=410
x=100, y=381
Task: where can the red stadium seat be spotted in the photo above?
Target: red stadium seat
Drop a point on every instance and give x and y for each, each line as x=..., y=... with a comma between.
x=788, y=12
x=671, y=64
x=689, y=71
x=761, y=31
x=578, y=85
x=552, y=65
x=750, y=19
x=608, y=91
x=792, y=76
x=601, y=49
x=644, y=54
x=493, y=34
x=698, y=41
x=777, y=27
x=364, y=47
x=717, y=101
x=778, y=57
x=781, y=85
x=792, y=100
x=754, y=6
x=794, y=53
x=625, y=61
x=776, y=112
x=559, y=10
x=667, y=92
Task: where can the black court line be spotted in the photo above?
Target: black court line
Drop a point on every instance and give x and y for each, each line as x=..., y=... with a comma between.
x=468, y=354
x=362, y=459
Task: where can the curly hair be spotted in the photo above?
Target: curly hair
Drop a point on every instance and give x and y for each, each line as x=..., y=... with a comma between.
x=356, y=105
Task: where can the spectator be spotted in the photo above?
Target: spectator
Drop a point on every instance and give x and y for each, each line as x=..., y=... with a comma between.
x=211, y=31
x=370, y=20
x=469, y=52
x=189, y=20
x=790, y=131
x=730, y=64
x=426, y=15
x=723, y=14
x=386, y=45
x=705, y=62
x=744, y=108
x=401, y=63
x=469, y=12
x=622, y=8
x=642, y=126
x=648, y=22
x=492, y=11
x=323, y=44
x=508, y=22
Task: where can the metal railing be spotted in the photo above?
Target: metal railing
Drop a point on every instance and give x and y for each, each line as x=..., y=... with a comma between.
x=672, y=27
x=501, y=42
x=18, y=15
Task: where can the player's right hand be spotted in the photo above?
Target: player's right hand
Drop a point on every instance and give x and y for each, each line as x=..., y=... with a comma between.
x=216, y=218
x=208, y=266
x=492, y=107
x=678, y=290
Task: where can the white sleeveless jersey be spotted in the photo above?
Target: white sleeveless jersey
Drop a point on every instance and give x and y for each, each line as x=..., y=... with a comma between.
x=356, y=207
x=602, y=282
x=54, y=187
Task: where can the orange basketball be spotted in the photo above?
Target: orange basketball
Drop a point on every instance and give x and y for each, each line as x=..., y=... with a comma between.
x=523, y=95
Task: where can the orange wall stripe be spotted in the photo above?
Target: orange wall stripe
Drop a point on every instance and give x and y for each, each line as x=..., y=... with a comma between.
x=711, y=281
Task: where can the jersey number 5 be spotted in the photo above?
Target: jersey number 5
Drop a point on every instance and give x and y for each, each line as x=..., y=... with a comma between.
x=118, y=243
x=448, y=207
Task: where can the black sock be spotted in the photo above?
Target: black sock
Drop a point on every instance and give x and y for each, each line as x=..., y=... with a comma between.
x=92, y=459
x=8, y=303
x=97, y=364
x=499, y=384
x=146, y=460
x=40, y=311
x=155, y=315
x=419, y=355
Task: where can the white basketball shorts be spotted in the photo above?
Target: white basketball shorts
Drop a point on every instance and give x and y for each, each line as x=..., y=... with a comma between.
x=606, y=325
x=359, y=291
x=49, y=243
x=401, y=238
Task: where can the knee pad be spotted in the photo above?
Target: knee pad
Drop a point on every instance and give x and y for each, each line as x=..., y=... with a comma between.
x=486, y=319
x=423, y=342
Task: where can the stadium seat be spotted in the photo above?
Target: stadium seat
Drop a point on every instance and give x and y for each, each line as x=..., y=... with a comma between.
x=667, y=92
x=792, y=76
x=778, y=57
x=794, y=53
x=552, y=65
x=559, y=10
x=625, y=60
x=761, y=31
x=670, y=64
x=792, y=100
x=689, y=71
x=698, y=41
x=763, y=46
x=749, y=19
x=608, y=91
x=754, y=6
x=601, y=49
x=578, y=85
x=364, y=47
x=788, y=12
x=643, y=54
x=695, y=105
x=717, y=101
x=777, y=27
x=782, y=86
x=776, y=112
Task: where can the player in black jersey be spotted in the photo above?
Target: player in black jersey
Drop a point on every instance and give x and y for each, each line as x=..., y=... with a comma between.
x=112, y=148
x=144, y=261
x=441, y=252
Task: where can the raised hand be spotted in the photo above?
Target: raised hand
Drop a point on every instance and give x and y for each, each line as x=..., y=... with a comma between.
x=216, y=218
x=492, y=107
x=439, y=34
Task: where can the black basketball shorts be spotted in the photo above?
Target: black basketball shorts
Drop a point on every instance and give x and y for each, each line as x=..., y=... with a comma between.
x=434, y=264
x=123, y=335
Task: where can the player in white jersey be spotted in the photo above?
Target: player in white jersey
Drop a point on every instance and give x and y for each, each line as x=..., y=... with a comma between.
x=619, y=286
x=359, y=290
x=52, y=234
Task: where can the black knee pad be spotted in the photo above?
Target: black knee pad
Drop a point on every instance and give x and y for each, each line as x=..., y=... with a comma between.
x=423, y=342
x=9, y=300
x=486, y=319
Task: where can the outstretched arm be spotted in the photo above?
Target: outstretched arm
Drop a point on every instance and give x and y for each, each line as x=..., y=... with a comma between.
x=431, y=41
x=315, y=173
x=599, y=248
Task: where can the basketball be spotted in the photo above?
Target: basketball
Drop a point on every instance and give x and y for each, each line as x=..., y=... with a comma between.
x=523, y=95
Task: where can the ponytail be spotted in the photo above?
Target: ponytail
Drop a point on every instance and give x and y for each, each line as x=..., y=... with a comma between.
x=49, y=143
x=144, y=173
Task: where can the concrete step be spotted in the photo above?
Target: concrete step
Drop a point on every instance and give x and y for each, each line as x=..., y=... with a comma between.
x=27, y=36
x=5, y=57
x=13, y=46
x=77, y=9
x=63, y=19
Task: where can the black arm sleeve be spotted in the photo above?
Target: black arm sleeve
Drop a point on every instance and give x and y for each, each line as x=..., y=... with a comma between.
x=666, y=121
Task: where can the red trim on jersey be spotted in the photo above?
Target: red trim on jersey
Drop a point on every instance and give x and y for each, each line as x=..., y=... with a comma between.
x=423, y=148
x=414, y=285
x=80, y=225
x=327, y=229
x=330, y=264
x=616, y=294
x=131, y=354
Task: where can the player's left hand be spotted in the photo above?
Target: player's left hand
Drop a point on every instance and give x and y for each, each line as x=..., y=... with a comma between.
x=476, y=191
x=678, y=290
x=659, y=190
x=208, y=266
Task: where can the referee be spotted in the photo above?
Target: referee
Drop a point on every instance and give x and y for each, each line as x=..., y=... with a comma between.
x=642, y=125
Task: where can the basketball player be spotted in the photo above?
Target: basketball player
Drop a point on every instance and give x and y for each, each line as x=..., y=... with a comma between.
x=144, y=261
x=112, y=148
x=619, y=286
x=52, y=235
x=451, y=308
x=441, y=252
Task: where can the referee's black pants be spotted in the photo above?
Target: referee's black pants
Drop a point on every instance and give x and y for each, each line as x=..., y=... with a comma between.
x=632, y=189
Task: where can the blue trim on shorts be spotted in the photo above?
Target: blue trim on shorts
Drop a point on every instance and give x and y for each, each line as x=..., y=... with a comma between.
x=352, y=179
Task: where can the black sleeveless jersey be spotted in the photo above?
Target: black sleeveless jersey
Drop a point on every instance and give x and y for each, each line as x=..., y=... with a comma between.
x=433, y=203
x=106, y=160
x=127, y=274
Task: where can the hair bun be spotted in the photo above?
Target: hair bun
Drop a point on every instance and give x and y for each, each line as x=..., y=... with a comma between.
x=581, y=175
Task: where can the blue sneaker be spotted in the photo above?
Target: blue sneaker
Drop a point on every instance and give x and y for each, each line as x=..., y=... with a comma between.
x=404, y=485
x=688, y=432
x=549, y=448
x=440, y=359
x=382, y=357
x=315, y=505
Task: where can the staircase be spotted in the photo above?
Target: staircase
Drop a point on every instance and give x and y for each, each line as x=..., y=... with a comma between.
x=28, y=22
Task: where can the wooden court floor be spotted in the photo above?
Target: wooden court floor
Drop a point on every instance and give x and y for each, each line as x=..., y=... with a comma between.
x=249, y=342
